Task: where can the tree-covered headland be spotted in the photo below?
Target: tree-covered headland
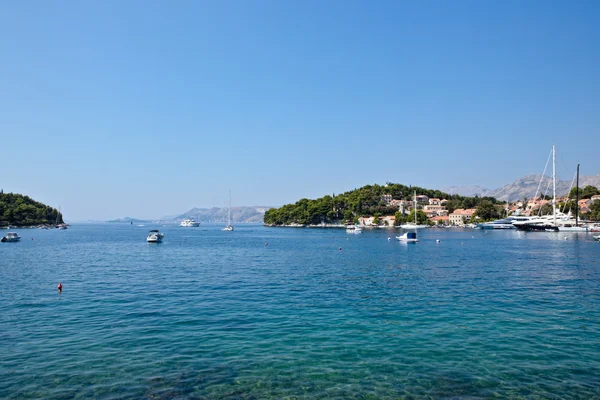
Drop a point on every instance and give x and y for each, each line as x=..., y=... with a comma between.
x=366, y=201
x=20, y=210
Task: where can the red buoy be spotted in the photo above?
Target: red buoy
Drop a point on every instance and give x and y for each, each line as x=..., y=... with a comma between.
x=59, y=287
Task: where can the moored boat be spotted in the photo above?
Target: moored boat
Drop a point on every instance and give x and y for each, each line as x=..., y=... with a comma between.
x=409, y=237
x=353, y=229
x=11, y=237
x=229, y=227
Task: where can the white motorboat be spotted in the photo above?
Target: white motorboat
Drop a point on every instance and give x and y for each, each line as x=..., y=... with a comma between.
x=154, y=236
x=229, y=227
x=408, y=237
x=11, y=237
x=189, y=223
x=597, y=237
x=353, y=229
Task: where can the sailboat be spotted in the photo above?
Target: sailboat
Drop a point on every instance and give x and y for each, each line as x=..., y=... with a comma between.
x=414, y=225
x=59, y=226
x=411, y=237
x=547, y=223
x=576, y=227
x=229, y=227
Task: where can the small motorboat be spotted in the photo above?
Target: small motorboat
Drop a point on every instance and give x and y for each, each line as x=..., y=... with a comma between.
x=353, y=229
x=597, y=237
x=11, y=237
x=154, y=236
x=408, y=237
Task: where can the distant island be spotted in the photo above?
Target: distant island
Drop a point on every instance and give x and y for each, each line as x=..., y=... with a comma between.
x=22, y=211
x=239, y=215
x=129, y=220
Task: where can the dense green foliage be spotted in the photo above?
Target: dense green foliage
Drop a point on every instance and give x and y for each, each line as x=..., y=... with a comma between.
x=594, y=213
x=19, y=210
x=365, y=201
x=584, y=193
x=486, y=211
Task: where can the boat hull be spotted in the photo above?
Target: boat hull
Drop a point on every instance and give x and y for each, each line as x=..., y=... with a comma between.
x=537, y=228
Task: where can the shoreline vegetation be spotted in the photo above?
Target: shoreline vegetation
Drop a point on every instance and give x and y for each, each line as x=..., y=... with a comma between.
x=383, y=205
x=19, y=211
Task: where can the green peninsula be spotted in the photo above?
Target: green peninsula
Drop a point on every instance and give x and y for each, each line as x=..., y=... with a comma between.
x=369, y=201
x=20, y=210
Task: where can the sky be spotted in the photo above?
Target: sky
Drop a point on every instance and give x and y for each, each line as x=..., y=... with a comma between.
x=149, y=108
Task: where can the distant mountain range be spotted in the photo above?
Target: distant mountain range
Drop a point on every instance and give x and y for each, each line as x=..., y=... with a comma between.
x=129, y=220
x=242, y=214
x=523, y=187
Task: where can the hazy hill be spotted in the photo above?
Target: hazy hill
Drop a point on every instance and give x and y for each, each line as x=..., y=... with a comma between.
x=128, y=220
x=525, y=187
x=242, y=214
x=466, y=190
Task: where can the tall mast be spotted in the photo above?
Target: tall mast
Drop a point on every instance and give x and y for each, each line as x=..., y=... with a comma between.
x=554, y=182
x=229, y=210
x=415, y=208
x=577, y=199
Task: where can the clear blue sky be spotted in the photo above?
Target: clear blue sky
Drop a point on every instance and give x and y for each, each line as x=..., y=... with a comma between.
x=148, y=108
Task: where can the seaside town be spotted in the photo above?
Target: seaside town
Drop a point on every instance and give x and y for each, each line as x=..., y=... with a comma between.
x=438, y=214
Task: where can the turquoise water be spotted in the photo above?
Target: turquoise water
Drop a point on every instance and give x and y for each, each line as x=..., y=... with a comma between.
x=209, y=314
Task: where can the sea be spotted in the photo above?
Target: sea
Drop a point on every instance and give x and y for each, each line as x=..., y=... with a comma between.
x=298, y=313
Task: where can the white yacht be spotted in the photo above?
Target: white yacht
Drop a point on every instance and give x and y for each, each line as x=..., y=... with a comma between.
x=11, y=237
x=353, y=229
x=189, y=223
x=229, y=227
x=154, y=236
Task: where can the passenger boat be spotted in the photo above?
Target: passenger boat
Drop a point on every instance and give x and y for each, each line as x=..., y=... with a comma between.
x=11, y=237
x=189, y=223
x=154, y=236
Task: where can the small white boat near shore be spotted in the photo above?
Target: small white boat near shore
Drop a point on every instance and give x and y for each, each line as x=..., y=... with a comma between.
x=353, y=229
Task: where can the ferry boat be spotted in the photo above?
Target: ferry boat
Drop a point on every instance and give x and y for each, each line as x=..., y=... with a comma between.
x=154, y=236
x=11, y=237
x=189, y=223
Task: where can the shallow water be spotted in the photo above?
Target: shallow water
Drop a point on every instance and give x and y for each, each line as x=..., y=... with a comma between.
x=210, y=314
